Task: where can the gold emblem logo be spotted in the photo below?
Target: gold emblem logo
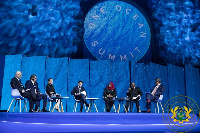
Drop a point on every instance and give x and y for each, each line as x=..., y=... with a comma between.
x=180, y=113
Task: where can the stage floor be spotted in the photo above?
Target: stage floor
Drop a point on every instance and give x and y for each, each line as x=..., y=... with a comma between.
x=85, y=122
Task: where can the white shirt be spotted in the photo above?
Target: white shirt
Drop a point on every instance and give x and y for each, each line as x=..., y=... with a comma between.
x=33, y=85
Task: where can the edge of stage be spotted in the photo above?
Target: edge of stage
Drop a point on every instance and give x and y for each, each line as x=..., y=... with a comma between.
x=85, y=122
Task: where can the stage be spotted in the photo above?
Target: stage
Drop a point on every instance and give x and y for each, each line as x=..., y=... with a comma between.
x=85, y=122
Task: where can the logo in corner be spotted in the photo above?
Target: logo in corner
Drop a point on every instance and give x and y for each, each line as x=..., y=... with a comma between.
x=180, y=114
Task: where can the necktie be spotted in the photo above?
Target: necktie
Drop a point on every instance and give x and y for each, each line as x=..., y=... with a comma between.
x=79, y=89
x=154, y=91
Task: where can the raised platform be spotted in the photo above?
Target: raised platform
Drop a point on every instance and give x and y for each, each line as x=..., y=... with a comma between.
x=84, y=122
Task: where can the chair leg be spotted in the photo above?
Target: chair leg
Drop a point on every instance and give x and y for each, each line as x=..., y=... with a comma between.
x=113, y=107
x=15, y=105
x=124, y=106
x=26, y=103
x=95, y=107
x=139, y=109
x=158, y=107
x=89, y=108
x=75, y=106
x=10, y=105
x=161, y=107
x=61, y=106
x=50, y=106
x=54, y=107
x=118, y=108
x=20, y=105
x=24, y=106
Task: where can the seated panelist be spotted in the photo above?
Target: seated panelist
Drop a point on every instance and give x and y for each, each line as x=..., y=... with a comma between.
x=32, y=85
x=50, y=90
x=133, y=94
x=155, y=94
x=17, y=84
x=80, y=94
x=109, y=95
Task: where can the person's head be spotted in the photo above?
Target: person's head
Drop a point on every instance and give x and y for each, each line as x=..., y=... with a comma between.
x=157, y=81
x=50, y=81
x=132, y=84
x=110, y=84
x=80, y=83
x=33, y=78
x=18, y=74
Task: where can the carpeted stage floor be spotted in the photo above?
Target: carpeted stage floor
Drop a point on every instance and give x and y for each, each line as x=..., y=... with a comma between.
x=85, y=122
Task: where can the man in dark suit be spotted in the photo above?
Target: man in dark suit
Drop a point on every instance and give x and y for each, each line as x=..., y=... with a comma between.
x=133, y=94
x=155, y=94
x=33, y=86
x=17, y=84
x=80, y=94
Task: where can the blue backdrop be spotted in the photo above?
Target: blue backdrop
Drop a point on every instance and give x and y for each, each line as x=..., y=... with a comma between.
x=176, y=81
x=99, y=79
x=57, y=68
x=34, y=65
x=193, y=83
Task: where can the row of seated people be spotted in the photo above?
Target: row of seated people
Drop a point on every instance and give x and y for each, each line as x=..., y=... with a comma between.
x=31, y=92
x=133, y=94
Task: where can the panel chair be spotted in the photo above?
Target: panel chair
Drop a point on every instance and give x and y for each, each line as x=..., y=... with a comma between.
x=52, y=105
x=51, y=101
x=76, y=103
x=131, y=106
x=17, y=98
x=157, y=102
x=114, y=109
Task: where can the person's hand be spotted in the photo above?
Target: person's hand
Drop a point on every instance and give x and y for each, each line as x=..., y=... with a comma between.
x=51, y=92
x=109, y=95
x=129, y=89
x=23, y=91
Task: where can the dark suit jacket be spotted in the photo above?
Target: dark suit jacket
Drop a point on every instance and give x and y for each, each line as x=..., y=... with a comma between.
x=76, y=90
x=134, y=92
x=29, y=86
x=16, y=84
x=160, y=90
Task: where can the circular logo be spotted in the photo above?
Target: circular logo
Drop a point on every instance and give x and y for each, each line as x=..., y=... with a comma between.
x=180, y=114
x=117, y=31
